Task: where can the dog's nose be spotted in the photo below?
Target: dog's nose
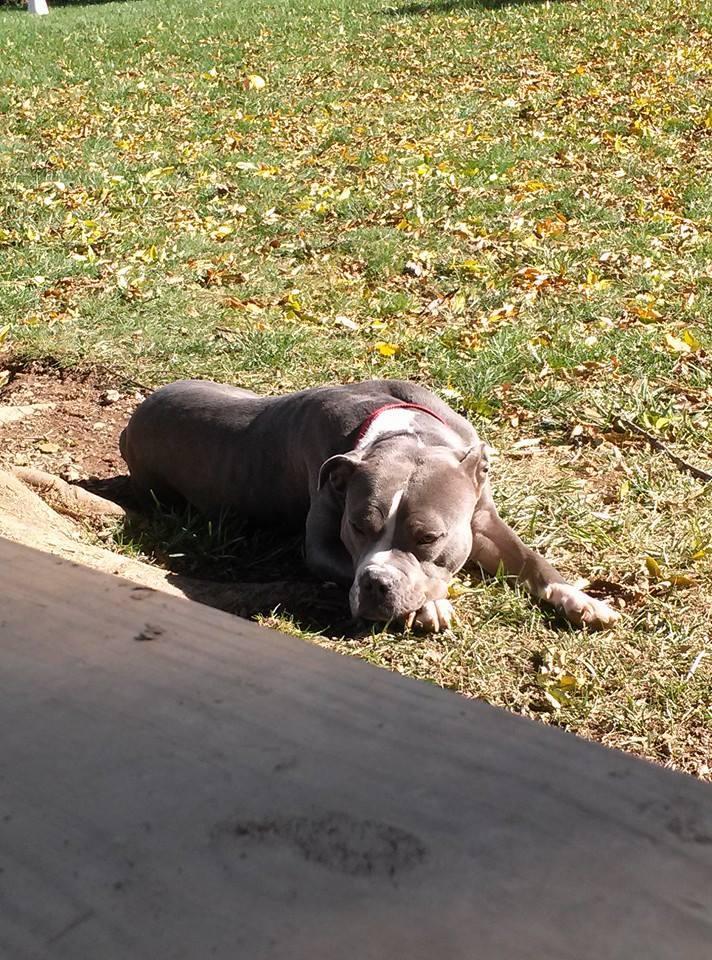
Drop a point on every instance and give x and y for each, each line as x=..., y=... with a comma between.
x=375, y=584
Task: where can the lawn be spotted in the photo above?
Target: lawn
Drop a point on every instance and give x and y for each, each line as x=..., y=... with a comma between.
x=509, y=202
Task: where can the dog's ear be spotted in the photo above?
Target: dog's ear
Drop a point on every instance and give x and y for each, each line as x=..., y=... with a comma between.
x=475, y=462
x=337, y=471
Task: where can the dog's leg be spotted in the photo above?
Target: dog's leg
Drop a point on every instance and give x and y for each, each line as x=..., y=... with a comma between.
x=325, y=554
x=496, y=546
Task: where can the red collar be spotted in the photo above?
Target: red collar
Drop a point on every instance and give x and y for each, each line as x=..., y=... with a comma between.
x=392, y=406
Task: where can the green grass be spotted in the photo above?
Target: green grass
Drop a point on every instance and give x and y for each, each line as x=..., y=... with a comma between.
x=512, y=197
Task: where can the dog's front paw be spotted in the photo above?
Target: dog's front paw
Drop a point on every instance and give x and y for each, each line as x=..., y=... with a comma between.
x=578, y=607
x=433, y=617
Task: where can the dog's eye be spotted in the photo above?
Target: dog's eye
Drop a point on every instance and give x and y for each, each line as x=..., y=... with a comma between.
x=357, y=529
x=425, y=538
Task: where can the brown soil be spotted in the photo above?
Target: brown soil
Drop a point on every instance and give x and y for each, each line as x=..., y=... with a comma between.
x=78, y=435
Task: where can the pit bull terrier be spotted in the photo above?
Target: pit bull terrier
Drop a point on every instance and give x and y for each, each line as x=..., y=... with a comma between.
x=390, y=485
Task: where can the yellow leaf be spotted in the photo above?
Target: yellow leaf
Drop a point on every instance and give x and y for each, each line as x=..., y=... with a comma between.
x=256, y=82
x=691, y=340
x=644, y=309
x=4, y=331
x=681, y=580
x=624, y=489
x=293, y=303
x=699, y=554
x=158, y=172
x=470, y=266
x=149, y=255
x=387, y=349
x=458, y=302
x=654, y=568
x=533, y=186
x=595, y=282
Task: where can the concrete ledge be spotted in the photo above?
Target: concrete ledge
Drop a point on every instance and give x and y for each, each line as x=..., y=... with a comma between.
x=178, y=783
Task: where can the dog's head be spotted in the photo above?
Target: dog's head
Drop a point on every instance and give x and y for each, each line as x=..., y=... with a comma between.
x=406, y=520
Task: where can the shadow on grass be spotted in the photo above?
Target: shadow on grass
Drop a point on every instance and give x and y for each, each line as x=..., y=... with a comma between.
x=228, y=565
x=419, y=8
x=20, y=6
x=249, y=571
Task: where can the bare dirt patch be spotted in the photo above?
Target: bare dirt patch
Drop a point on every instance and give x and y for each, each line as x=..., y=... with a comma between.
x=74, y=430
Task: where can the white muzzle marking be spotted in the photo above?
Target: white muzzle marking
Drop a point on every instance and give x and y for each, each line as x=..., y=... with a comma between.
x=379, y=554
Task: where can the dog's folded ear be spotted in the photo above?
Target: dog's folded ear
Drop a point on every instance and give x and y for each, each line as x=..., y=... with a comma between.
x=475, y=461
x=337, y=471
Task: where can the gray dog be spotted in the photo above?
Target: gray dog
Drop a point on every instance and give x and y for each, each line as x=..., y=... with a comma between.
x=390, y=483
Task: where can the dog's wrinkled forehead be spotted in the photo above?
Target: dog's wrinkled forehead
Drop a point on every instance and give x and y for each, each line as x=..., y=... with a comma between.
x=428, y=477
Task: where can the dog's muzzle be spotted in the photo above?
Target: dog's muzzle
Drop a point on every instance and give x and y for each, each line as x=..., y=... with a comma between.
x=383, y=592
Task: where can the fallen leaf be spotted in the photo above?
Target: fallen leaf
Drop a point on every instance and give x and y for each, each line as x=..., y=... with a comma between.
x=681, y=580
x=551, y=700
x=347, y=322
x=506, y=312
x=222, y=232
x=387, y=349
x=644, y=309
x=677, y=345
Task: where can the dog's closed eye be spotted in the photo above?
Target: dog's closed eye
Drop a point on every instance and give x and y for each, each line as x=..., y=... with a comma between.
x=365, y=529
x=422, y=539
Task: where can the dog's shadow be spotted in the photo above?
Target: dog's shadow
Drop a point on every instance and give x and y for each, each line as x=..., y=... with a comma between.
x=226, y=564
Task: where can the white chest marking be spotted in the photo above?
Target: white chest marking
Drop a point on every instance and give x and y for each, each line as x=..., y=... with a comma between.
x=390, y=421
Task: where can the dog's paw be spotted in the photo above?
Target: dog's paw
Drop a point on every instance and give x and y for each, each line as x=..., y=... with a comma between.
x=433, y=617
x=578, y=607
